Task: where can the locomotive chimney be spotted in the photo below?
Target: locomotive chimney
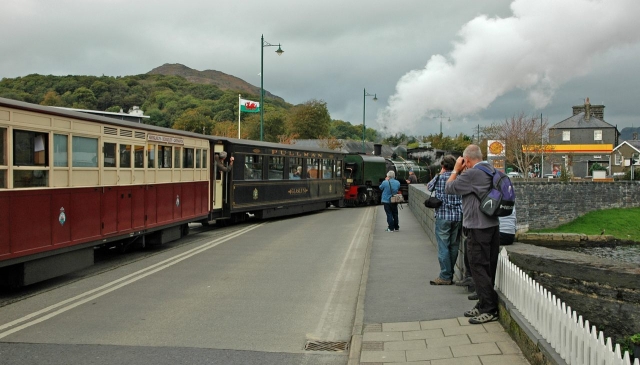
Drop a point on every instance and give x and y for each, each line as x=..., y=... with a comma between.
x=377, y=149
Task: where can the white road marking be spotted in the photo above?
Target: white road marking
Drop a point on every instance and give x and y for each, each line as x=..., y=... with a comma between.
x=357, y=238
x=114, y=285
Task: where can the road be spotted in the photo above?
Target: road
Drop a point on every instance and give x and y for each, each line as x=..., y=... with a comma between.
x=249, y=294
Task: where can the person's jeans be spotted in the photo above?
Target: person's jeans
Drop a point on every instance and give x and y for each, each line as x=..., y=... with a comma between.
x=392, y=215
x=447, y=235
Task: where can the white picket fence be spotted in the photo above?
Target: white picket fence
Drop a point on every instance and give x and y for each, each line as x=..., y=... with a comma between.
x=568, y=334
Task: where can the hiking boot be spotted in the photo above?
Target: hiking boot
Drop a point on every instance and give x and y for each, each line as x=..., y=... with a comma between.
x=465, y=282
x=439, y=281
x=473, y=296
x=483, y=318
x=473, y=312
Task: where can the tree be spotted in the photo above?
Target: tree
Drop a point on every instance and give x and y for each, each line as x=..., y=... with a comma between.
x=193, y=120
x=84, y=99
x=52, y=98
x=309, y=120
x=523, y=139
x=330, y=143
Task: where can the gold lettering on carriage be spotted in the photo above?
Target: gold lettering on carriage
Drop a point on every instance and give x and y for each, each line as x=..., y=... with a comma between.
x=165, y=139
x=295, y=191
x=296, y=153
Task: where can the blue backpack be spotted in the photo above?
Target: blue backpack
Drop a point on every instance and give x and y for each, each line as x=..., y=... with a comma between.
x=500, y=199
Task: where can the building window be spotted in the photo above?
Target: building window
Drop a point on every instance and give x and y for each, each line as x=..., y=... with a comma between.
x=566, y=135
x=597, y=135
x=617, y=159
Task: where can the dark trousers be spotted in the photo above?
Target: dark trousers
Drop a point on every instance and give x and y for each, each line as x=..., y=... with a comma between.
x=483, y=248
x=392, y=215
x=506, y=238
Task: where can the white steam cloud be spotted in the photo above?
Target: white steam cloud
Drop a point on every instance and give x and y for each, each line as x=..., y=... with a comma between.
x=542, y=45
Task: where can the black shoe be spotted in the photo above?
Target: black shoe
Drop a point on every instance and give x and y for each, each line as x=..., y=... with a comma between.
x=483, y=318
x=473, y=296
x=465, y=282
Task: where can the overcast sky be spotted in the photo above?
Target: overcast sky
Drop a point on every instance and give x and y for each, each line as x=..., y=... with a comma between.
x=472, y=62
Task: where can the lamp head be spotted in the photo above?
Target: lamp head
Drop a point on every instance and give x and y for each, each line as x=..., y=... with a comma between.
x=375, y=98
x=279, y=51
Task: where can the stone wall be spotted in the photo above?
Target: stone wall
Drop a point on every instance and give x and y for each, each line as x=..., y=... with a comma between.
x=548, y=204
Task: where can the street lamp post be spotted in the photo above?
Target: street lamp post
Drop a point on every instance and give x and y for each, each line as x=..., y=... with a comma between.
x=364, y=103
x=449, y=119
x=279, y=52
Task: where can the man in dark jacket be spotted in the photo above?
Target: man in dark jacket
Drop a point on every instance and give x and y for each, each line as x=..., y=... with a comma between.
x=482, y=232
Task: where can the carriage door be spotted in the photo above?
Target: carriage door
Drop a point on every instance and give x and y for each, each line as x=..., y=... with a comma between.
x=217, y=197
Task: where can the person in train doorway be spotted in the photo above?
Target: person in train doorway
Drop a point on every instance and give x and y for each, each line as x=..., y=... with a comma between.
x=448, y=223
x=220, y=157
x=412, y=177
x=482, y=232
x=389, y=187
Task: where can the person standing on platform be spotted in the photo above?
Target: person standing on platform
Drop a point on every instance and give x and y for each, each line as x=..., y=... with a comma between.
x=482, y=231
x=412, y=177
x=508, y=228
x=390, y=187
x=448, y=223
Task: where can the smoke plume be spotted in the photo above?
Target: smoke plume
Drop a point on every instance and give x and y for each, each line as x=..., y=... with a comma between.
x=543, y=44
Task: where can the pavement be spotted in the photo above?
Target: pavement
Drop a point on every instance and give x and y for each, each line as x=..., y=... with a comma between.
x=402, y=319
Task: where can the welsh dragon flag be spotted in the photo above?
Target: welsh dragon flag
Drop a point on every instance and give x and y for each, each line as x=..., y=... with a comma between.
x=248, y=106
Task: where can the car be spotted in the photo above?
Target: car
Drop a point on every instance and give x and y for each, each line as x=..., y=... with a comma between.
x=515, y=174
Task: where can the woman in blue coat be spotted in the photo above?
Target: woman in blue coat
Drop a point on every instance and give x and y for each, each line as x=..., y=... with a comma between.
x=390, y=187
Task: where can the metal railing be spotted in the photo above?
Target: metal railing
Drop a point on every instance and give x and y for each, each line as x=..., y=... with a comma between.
x=572, y=338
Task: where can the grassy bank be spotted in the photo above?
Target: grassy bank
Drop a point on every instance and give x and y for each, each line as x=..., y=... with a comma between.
x=620, y=223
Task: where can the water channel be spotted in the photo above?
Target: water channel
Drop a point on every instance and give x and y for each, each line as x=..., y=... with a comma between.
x=625, y=253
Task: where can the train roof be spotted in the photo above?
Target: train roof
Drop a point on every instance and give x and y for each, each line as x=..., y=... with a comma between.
x=123, y=123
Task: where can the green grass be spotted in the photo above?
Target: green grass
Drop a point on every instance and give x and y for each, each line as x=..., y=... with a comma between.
x=618, y=222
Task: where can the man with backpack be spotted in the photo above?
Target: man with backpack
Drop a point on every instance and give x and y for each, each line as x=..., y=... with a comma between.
x=481, y=230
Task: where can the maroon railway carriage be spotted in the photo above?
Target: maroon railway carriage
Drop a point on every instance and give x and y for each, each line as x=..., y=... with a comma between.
x=70, y=181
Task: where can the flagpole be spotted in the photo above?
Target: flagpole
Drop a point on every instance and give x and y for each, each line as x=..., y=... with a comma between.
x=239, y=111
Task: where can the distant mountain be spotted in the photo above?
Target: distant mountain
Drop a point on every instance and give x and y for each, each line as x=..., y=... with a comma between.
x=210, y=77
x=626, y=134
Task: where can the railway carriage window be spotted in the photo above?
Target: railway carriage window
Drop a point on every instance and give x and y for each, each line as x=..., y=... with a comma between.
x=3, y=146
x=295, y=168
x=176, y=157
x=109, y=151
x=84, y=152
x=60, y=150
x=204, y=159
x=188, y=158
x=30, y=148
x=313, y=168
x=151, y=162
x=125, y=155
x=253, y=167
x=327, y=169
x=164, y=157
x=198, y=158
x=276, y=168
x=3, y=179
x=138, y=157
x=338, y=169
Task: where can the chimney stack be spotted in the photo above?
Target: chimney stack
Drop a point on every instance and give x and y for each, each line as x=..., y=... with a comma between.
x=587, y=110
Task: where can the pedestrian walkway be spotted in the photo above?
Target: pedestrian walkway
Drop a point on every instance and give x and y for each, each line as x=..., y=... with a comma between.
x=407, y=320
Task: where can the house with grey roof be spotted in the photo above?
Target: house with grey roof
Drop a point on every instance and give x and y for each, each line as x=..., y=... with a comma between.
x=580, y=141
x=622, y=156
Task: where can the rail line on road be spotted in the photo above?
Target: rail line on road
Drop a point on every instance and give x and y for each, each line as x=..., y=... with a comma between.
x=68, y=304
